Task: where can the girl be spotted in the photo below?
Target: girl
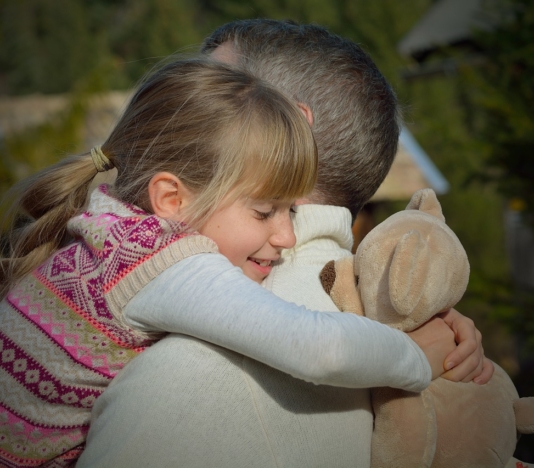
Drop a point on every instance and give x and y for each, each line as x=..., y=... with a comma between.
x=208, y=159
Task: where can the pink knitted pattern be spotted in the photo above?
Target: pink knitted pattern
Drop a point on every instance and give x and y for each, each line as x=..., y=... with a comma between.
x=62, y=337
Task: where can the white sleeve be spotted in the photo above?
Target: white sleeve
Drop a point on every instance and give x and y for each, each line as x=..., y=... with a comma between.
x=206, y=297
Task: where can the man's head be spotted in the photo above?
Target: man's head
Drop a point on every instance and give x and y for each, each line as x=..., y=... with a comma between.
x=354, y=109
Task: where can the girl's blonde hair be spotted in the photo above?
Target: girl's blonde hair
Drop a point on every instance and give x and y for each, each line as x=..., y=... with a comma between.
x=221, y=131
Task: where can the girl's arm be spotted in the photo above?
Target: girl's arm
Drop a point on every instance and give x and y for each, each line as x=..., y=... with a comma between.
x=206, y=297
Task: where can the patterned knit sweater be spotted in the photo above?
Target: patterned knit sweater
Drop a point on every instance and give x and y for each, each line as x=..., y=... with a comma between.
x=62, y=333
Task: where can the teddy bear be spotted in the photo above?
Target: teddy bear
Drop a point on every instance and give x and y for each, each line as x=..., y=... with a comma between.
x=406, y=270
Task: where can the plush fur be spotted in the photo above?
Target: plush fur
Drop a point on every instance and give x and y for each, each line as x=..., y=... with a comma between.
x=406, y=270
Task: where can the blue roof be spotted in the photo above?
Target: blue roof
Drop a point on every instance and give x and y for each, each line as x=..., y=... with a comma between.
x=428, y=168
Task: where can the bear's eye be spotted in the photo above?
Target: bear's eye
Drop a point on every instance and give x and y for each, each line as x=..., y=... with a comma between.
x=357, y=280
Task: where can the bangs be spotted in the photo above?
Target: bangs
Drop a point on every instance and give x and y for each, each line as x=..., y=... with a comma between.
x=265, y=152
x=280, y=158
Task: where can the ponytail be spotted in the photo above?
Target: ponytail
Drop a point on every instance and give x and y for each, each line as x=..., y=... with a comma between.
x=49, y=199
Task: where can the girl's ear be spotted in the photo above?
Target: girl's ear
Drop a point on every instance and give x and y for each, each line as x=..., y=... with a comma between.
x=168, y=195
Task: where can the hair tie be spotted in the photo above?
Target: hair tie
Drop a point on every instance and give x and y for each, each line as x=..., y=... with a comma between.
x=100, y=160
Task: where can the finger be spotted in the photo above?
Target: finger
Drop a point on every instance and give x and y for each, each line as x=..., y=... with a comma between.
x=468, y=339
x=468, y=370
x=487, y=372
x=463, y=327
x=468, y=355
x=467, y=361
x=470, y=359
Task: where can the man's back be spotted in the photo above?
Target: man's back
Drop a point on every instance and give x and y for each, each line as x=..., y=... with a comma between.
x=312, y=425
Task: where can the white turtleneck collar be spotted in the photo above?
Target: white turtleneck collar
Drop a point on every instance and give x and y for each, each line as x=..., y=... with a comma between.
x=313, y=222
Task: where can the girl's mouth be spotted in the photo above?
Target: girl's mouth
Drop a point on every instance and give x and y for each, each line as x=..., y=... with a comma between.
x=258, y=269
x=262, y=263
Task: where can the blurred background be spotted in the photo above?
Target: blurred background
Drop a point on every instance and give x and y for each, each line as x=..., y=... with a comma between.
x=463, y=71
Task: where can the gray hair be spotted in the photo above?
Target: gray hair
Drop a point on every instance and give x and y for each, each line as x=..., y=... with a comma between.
x=356, y=124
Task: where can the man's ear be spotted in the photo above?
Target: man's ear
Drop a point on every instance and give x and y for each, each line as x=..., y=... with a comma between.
x=168, y=195
x=308, y=113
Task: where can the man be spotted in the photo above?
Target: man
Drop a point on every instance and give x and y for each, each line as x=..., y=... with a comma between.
x=187, y=403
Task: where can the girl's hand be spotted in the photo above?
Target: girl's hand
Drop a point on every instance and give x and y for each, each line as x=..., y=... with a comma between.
x=467, y=362
x=436, y=339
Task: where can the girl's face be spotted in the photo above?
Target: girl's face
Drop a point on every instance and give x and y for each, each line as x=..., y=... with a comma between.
x=251, y=233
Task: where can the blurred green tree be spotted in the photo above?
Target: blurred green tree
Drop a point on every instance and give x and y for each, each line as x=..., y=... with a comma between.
x=502, y=90
x=48, y=46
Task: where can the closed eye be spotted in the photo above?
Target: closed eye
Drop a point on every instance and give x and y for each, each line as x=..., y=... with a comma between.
x=264, y=215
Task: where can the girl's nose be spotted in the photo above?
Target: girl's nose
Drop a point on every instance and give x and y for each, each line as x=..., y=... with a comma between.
x=283, y=235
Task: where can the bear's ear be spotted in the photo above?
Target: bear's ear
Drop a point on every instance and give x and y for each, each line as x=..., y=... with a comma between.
x=409, y=272
x=328, y=276
x=426, y=200
x=340, y=283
